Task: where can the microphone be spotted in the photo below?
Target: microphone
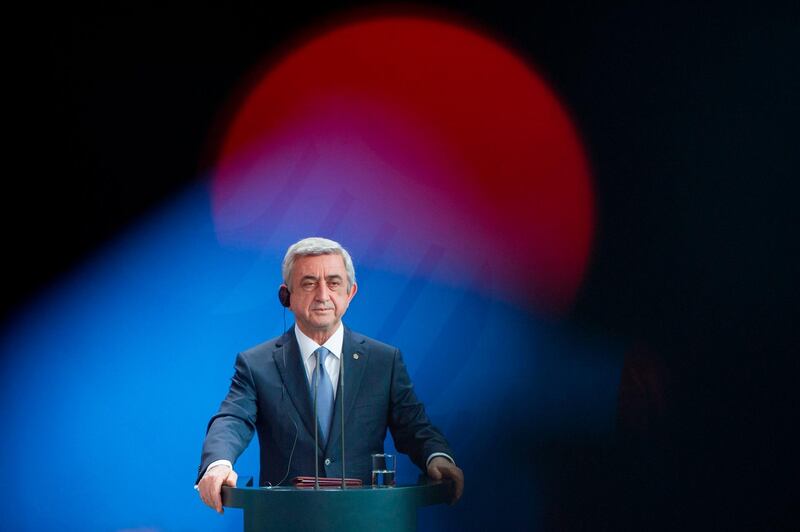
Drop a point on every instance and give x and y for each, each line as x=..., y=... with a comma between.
x=341, y=402
x=296, y=430
x=316, y=427
x=340, y=398
x=291, y=454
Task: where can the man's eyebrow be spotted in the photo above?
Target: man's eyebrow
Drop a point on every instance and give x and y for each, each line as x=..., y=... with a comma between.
x=309, y=278
x=333, y=276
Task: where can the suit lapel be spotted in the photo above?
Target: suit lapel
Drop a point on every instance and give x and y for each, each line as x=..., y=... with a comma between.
x=293, y=373
x=354, y=362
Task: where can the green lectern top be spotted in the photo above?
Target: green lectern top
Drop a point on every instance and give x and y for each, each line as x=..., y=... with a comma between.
x=334, y=509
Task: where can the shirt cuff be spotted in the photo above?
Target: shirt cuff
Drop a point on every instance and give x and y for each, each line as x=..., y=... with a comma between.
x=431, y=457
x=214, y=464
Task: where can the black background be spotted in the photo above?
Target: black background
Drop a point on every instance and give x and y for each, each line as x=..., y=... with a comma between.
x=690, y=116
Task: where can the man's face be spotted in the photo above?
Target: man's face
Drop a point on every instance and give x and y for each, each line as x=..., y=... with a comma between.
x=319, y=293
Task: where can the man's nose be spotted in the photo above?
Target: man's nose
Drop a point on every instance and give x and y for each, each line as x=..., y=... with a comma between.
x=323, y=292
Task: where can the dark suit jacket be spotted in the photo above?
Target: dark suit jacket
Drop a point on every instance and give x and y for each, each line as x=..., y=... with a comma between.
x=270, y=394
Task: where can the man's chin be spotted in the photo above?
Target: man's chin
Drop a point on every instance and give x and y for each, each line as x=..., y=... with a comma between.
x=324, y=324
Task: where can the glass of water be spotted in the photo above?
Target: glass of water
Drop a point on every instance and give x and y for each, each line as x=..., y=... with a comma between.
x=383, y=470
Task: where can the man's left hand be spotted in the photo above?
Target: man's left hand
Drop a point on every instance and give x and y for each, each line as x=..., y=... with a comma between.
x=440, y=467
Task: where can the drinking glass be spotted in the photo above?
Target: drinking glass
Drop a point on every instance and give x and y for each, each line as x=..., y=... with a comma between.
x=383, y=470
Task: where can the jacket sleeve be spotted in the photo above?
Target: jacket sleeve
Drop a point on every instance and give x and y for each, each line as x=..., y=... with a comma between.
x=231, y=428
x=411, y=429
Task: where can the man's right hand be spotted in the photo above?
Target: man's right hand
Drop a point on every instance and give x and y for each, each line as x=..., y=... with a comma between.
x=210, y=486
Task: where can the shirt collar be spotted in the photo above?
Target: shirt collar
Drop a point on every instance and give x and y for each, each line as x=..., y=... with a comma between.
x=308, y=346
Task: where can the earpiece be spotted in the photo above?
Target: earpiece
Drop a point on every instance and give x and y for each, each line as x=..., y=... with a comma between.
x=284, y=296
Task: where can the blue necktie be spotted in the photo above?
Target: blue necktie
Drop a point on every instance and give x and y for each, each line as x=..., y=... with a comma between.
x=324, y=394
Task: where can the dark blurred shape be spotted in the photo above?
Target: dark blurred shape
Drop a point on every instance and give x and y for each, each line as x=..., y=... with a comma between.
x=643, y=401
x=639, y=472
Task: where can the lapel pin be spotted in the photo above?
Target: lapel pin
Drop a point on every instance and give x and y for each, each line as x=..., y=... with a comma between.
x=355, y=356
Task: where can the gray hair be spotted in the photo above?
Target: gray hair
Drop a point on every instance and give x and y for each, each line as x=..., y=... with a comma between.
x=317, y=246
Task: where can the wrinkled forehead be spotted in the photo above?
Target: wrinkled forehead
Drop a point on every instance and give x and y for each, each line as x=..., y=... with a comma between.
x=321, y=266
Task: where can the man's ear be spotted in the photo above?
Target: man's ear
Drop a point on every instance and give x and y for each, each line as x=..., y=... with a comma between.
x=352, y=292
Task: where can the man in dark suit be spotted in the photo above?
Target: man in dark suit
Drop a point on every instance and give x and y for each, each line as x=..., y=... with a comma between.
x=273, y=389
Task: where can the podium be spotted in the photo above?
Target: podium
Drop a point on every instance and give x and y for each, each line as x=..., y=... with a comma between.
x=333, y=509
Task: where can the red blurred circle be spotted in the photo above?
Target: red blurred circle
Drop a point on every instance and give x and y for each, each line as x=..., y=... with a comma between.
x=423, y=126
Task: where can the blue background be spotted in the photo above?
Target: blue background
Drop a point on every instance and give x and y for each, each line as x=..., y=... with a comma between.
x=114, y=374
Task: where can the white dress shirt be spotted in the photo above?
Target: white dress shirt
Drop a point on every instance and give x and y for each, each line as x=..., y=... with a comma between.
x=332, y=344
